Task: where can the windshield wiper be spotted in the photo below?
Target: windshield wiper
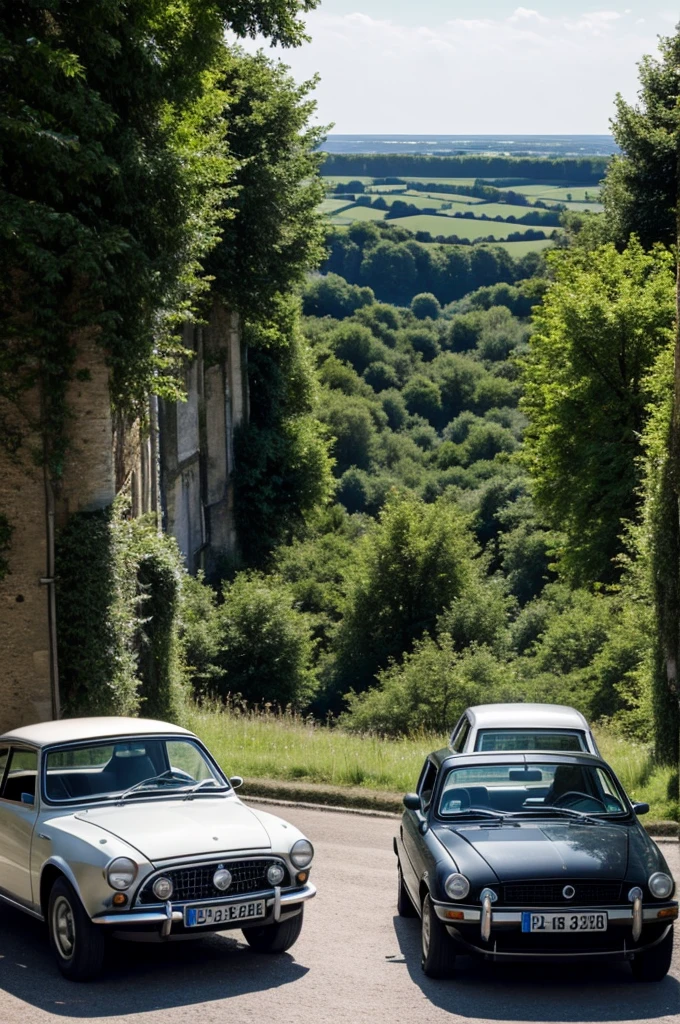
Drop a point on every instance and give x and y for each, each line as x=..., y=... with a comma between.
x=200, y=785
x=165, y=777
x=569, y=812
x=476, y=811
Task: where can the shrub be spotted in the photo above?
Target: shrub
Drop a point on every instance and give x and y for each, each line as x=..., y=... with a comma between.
x=424, y=306
x=430, y=690
x=265, y=645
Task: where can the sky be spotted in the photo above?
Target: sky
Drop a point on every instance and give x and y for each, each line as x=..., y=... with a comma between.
x=475, y=66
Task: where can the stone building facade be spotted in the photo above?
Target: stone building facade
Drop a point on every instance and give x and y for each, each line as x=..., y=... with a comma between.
x=179, y=465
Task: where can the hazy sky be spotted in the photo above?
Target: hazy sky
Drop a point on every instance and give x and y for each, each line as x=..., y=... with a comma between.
x=476, y=66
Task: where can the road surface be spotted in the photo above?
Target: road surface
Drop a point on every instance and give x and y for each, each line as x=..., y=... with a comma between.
x=355, y=962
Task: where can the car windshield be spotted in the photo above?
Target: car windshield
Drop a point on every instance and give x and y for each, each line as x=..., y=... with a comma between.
x=546, y=789
x=125, y=768
x=530, y=739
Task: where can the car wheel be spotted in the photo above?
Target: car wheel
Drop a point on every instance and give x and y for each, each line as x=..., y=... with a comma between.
x=438, y=950
x=78, y=945
x=654, y=963
x=405, y=906
x=275, y=938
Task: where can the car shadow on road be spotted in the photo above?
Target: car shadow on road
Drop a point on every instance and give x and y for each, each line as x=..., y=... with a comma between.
x=138, y=977
x=603, y=991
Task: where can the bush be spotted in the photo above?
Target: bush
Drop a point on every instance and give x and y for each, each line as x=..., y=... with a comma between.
x=381, y=376
x=423, y=398
x=430, y=690
x=331, y=295
x=425, y=305
x=265, y=645
x=356, y=345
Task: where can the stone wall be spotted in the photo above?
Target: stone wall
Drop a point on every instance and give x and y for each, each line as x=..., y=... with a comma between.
x=196, y=443
x=25, y=672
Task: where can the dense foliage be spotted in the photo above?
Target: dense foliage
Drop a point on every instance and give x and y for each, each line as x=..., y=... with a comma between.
x=588, y=170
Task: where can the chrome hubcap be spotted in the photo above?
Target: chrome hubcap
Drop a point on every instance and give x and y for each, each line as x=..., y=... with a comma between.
x=63, y=927
x=425, y=933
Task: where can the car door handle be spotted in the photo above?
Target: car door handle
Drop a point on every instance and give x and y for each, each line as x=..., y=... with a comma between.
x=41, y=835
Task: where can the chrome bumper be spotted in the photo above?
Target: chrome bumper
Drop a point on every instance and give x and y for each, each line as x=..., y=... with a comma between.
x=170, y=915
x=508, y=918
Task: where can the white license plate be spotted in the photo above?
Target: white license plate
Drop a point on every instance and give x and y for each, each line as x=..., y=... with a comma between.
x=596, y=922
x=194, y=917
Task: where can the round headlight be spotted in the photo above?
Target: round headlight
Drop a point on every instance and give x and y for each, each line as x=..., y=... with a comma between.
x=121, y=873
x=660, y=885
x=162, y=888
x=457, y=886
x=275, y=874
x=222, y=879
x=302, y=852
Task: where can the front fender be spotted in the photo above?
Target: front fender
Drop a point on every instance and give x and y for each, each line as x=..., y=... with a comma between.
x=76, y=850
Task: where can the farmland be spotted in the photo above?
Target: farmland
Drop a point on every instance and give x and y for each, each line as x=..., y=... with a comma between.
x=496, y=211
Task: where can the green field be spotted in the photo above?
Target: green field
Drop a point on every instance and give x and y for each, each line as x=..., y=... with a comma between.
x=333, y=205
x=583, y=207
x=353, y=213
x=419, y=199
x=448, y=197
x=558, y=193
x=286, y=746
x=501, y=210
x=519, y=249
x=464, y=228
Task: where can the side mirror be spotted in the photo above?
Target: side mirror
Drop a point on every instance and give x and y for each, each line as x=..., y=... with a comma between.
x=412, y=802
x=641, y=808
x=236, y=781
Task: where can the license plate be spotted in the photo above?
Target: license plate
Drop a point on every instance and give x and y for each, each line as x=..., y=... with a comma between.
x=194, y=917
x=563, y=922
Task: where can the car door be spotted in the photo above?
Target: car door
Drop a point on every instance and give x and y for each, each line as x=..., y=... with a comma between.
x=18, y=814
x=411, y=834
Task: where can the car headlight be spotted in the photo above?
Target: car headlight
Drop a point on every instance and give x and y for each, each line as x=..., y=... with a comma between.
x=162, y=888
x=301, y=853
x=660, y=885
x=275, y=874
x=121, y=873
x=457, y=886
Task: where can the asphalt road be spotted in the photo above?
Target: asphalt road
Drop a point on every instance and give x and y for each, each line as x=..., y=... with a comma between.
x=355, y=962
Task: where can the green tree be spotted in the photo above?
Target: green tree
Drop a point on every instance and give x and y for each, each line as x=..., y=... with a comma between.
x=425, y=305
x=413, y=563
x=265, y=644
x=640, y=191
x=603, y=321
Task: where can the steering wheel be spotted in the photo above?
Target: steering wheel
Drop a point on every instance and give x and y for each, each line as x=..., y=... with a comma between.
x=564, y=797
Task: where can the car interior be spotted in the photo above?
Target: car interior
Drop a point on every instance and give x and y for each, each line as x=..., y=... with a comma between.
x=570, y=786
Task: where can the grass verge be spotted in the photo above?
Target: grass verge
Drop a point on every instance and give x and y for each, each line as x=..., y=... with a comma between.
x=282, y=754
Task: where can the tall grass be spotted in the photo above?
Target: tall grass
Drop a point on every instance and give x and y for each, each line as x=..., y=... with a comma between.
x=270, y=742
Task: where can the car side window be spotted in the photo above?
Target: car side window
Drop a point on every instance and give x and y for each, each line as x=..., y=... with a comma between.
x=20, y=777
x=426, y=784
x=461, y=736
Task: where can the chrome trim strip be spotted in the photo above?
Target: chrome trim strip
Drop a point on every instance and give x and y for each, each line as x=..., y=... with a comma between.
x=277, y=903
x=124, y=919
x=21, y=906
x=167, y=924
x=307, y=892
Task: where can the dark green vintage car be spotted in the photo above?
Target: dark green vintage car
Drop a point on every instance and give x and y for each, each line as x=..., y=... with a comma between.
x=532, y=856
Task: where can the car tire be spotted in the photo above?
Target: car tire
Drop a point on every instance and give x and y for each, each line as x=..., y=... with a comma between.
x=275, y=938
x=405, y=906
x=654, y=963
x=78, y=945
x=437, y=947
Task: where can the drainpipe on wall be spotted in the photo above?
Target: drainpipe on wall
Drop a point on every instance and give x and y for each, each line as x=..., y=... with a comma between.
x=155, y=457
x=49, y=581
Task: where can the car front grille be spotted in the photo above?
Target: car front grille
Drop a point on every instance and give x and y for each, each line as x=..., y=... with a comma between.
x=541, y=894
x=195, y=882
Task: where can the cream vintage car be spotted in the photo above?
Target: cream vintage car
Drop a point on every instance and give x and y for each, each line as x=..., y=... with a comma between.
x=121, y=825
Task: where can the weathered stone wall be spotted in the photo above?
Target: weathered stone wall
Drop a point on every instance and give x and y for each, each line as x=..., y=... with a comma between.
x=196, y=443
x=25, y=689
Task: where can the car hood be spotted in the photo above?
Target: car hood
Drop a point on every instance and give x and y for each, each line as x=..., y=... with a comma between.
x=548, y=850
x=167, y=829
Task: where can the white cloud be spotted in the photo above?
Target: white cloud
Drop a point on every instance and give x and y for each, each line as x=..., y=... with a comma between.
x=526, y=73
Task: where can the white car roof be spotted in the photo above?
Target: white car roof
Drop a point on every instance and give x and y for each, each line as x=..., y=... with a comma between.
x=527, y=716
x=72, y=730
